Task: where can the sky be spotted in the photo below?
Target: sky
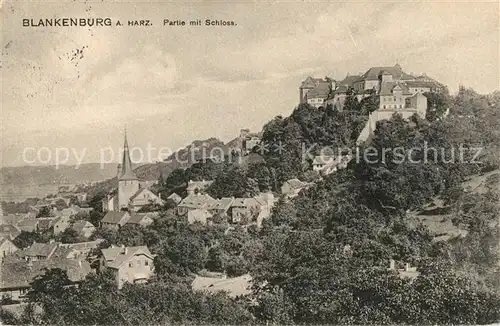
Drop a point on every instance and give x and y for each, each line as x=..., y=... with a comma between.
x=170, y=85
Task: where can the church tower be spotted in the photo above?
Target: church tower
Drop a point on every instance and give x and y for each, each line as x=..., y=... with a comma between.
x=128, y=183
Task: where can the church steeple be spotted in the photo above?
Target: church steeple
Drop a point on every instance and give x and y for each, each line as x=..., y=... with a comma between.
x=126, y=169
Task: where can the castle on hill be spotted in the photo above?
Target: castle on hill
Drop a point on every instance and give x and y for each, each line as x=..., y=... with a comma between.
x=398, y=92
x=131, y=193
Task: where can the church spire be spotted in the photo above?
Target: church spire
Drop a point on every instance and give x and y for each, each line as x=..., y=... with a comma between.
x=126, y=168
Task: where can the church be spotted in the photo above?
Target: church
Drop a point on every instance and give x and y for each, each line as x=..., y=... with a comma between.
x=131, y=193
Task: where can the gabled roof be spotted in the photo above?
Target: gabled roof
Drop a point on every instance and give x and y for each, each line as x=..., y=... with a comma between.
x=19, y=274
x=175, y=197
x=140, y=191
x=197, y=201
x=114, y=217
x=388, y=87
x=137, y=218
x=41, y=249
x=349, y=80
x=116, y=257
x=296, y=183
x=27, y=225
x=223, y=203
x=79, y=226
x=245, y=202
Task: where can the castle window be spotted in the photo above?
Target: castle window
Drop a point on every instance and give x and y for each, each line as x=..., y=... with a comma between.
x=384, y=106
x=146, y=263
x=130, y=264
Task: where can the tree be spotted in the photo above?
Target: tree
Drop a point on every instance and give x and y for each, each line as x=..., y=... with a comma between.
x=26, y=239
x=71, y=236
x=233, y=183
x=47, y=291
x=45, y=211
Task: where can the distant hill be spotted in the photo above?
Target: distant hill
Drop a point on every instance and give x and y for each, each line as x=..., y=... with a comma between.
x=66, y=174
x=183, y=158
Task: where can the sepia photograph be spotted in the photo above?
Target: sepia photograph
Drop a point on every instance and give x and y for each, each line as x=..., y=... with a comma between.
x=250, y=163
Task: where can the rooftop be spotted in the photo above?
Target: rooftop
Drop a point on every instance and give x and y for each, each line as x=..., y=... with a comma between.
x=117, y=256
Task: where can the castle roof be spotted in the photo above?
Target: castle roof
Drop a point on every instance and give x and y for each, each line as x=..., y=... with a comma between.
x=320, y=91
x=349, y=80
x=388, y=87
x=396, y=72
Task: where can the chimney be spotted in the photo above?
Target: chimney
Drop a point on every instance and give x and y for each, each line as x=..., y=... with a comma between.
x=79, y=263
x=392, y=265
x=29, y=263
x=407, y=267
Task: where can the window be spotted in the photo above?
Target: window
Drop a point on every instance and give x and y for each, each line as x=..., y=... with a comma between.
x=146, y=263
x=130, y=264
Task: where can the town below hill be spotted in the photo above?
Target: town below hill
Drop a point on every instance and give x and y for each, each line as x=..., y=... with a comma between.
x=294, y=237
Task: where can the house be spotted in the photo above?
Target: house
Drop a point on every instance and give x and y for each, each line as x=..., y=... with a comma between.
x=406, y=272
x=327, y=164
x=38, y=251
x=244, y=210
x=197, y=187
x=83, y=228
x=292, y=187
x=413, y=105
x=199, y=215
x=81, y=197
x=371, y=79
x=129, y=264
x=220, y=206
x=61, y=224
x=175, y=198
x=12, y=219
x=9, y=231
x=143, y=197
x=6, y=248
x=194, y=202
x=28, y=225
x=68, y=212
x=16, y=276
x=317, y=96
x=80, y=250
x=115, y=220
x=141, y=219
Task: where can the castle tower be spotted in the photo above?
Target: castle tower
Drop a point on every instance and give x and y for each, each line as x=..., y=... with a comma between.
x=128, y=183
